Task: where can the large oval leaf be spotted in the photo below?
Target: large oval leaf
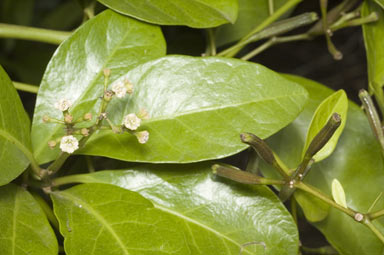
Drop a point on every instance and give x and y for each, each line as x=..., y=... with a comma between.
x=251, y=14
x=193, y=13
x=24, y=227
x=110, y=40
x=356, y=163
x=215, y=217
x=15, y=141
x=373, y=36
x=197, y=108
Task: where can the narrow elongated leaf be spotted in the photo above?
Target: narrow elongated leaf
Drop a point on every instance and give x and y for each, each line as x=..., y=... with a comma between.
x=251, y=14
x=24, y=227
x=192, y=13
x=15, y=141
x=75, y=72
x=197, y=108
x=373, y=36
x=336, y=103
x=214, y=217
x=356, y=163
x=338, y=193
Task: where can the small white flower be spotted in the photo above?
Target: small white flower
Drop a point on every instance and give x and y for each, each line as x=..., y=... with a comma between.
x=142, y=136
x=120, y=89
x=131, y=121
x=63, y=105
x=69, y=144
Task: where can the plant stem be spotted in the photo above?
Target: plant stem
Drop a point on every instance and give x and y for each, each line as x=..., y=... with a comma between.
x=70, y=179
x=376, y=214
x=26, y=87
x=232, y=51
x=211, y=44
x=372, y=227
x=313, y=191
x=274, y=41
x=47, y=210
x=271, y=7
x=32, y=33
x=90, y=165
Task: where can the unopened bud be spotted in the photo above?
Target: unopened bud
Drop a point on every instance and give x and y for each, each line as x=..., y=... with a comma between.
x=84, y=132
x=68, y=118
x=260, y=146
x=87, y=116
x=235, y=174
x=129, y=86
x=143, y=114
x=108, y=95
x=107, y=72
x=52, y=144
x=142, y=136
x=46, y=118
x=324, y=135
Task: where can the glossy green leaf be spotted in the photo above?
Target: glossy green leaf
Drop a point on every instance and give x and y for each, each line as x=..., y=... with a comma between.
x=197, y=108
x=15, y=140
x=110, y=40
x=338, y=193
x=336, y=103
x=251, y=14
x=215, y=217
x=192, y=13
x=24, y=228
x=373, y=37
x=356, y=162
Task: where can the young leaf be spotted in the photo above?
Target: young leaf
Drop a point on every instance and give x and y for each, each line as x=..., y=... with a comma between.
x=192, y=13
x=24, y=227
x=75, y=72
x=205, y=209
x=338, y=193
x=373, y=36
x=357, y=159
x=336, y=103
x=15, y=141
x=251, y=14
x=197, y=108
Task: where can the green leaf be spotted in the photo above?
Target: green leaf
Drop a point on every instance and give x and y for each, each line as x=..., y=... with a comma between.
x=24, y=227
x=373, y=36
x=192, y=13
x=338, y=193
x=337, y=102
x=14, y=132
x=251, y=14
x=356, y=162
x=197, y=108
x=215, y=217
x=110, y=40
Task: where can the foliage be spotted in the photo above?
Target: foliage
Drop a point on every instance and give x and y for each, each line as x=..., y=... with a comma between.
x=110, y=101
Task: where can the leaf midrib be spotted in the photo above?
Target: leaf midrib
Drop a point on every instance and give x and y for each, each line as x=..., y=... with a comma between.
x=98, y=217
x=185, y=218
x=218, y=107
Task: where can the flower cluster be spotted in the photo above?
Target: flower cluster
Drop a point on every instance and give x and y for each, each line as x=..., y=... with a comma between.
x=70, y=142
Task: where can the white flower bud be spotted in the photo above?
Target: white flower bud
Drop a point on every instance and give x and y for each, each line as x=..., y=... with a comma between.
x=131, y=121
x=142, y=136
x=119, y=89
x=63, y=105
x=69, y=144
